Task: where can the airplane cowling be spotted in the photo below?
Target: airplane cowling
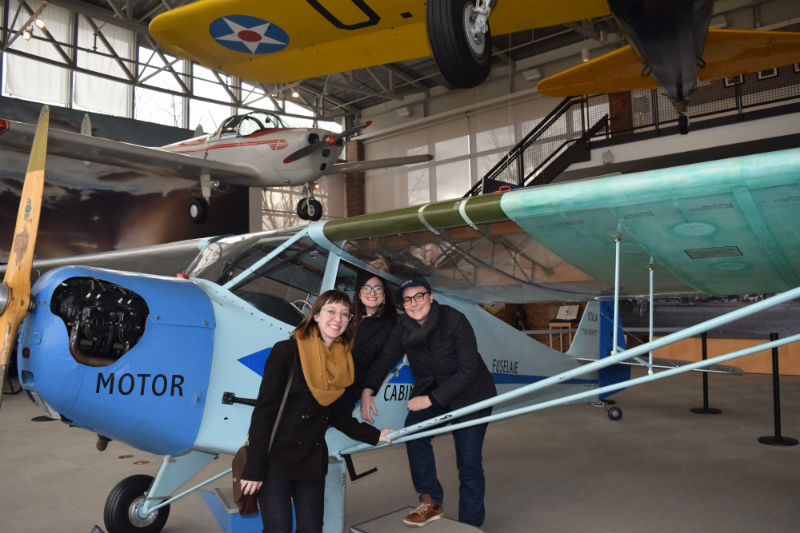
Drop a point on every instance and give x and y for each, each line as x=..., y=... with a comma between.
x=150, y=394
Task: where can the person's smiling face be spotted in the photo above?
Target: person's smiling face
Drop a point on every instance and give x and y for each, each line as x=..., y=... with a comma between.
x=417, y=303
x=372, y=294
x=332, y=321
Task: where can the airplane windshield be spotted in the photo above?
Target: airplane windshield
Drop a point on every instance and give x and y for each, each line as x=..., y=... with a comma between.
x=283, y=288
x=259, y=121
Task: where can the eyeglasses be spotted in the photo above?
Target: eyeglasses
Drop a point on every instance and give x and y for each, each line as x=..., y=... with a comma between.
x=377, y=289
x=344, y=316
x=417, y=298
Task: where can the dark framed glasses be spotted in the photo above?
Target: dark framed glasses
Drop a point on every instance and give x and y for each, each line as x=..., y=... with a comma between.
x=416, y=298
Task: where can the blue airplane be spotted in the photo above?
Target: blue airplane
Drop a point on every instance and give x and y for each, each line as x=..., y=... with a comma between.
x=171, y=365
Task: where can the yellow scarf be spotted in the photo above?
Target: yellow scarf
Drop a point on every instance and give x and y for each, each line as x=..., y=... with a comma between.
x=328, y=371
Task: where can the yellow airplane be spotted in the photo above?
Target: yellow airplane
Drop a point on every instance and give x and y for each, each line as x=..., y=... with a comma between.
x=276, y=42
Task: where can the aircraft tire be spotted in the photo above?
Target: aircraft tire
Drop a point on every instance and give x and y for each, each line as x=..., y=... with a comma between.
x=614, y=413
x=198, y=210
x=302, y=209
x=462, y=60
x=314, y=210
x=124, y=499
x=683, y=123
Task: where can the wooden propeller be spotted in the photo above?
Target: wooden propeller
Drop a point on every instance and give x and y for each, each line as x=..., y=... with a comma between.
x=17, y=280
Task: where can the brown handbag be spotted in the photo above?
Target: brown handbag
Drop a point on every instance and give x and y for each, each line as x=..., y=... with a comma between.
x=248, y=503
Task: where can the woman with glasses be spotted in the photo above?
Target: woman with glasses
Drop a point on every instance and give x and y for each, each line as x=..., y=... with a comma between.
x=449, y=372
x=374, y=317
x=294, y=469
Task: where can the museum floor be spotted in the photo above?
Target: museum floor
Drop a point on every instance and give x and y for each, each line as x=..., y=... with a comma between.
x=569, y=469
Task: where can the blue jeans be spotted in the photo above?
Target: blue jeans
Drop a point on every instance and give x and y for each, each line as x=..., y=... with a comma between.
x=469, y=444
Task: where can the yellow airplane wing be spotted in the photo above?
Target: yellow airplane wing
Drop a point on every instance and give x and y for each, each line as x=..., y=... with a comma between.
x=277, y=42
x=731, y=52
x=727, y=53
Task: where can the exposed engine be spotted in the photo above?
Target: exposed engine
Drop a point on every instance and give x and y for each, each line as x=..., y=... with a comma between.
x=104, y=320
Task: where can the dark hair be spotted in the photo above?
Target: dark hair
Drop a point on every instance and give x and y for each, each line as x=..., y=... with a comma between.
x=305, y=329
x=385, y=313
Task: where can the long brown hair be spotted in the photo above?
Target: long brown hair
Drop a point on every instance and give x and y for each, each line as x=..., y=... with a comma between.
x=386, y=312
x=308, y=326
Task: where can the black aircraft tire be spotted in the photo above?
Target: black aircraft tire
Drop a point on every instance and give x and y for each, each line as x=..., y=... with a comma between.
x=314, y=210
x=198, y=210
x=683, y=124
x=615, y=413
x=462, y=65
x=302, y=209
x=123, y=501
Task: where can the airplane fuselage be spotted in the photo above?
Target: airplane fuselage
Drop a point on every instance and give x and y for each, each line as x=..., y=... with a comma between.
x=265, y=151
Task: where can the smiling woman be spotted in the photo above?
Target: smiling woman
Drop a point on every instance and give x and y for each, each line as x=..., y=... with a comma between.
x=294, y=467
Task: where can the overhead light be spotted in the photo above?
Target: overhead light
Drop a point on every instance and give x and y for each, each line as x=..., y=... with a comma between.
x=532, y=74
x=26, y=34
x=39, y=21
x=295, y=93
x=585, y=54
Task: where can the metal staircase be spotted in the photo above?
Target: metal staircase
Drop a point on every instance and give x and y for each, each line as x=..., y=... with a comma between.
x=559, y=140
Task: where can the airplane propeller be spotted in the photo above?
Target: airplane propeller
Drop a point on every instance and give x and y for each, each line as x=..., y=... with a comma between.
x=327, y=140
x=15, y=293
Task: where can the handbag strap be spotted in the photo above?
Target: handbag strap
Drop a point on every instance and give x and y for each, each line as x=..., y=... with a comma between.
x=283, y=403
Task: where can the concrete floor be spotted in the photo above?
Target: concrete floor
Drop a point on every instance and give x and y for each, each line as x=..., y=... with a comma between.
x=568, y=469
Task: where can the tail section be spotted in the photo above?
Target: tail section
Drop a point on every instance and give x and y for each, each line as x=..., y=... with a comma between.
x=594, y=340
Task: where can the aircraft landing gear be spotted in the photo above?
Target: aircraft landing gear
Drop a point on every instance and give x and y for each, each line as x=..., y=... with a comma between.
x=683, y=123
x=121, y=513
x=198, y=210
x=308, y=208
x=614, y=413
x=459, y=36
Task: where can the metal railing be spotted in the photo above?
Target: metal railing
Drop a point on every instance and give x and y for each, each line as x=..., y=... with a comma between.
x=578, y=120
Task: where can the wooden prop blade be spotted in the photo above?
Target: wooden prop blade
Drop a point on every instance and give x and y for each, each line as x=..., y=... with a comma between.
x=18, y=272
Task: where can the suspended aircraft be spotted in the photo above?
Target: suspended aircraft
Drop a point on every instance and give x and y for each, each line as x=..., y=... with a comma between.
x=255, y=149
x=671, y=44
x=171, y=365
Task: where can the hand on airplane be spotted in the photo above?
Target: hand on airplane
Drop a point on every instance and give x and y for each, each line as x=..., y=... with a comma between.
x=384, y=432
x=419, y=403
x=250, y=487
x=367, y=405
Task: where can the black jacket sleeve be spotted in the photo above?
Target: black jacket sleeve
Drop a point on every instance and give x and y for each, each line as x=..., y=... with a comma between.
x=341, y=418
x=273, y=384
x=467, y=357
x=389, y=357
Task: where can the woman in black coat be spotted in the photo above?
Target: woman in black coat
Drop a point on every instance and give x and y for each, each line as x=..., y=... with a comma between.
x=374, y=317
x=294, y=469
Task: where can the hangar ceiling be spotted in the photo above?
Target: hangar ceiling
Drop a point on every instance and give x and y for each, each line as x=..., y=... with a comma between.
x=346, y=94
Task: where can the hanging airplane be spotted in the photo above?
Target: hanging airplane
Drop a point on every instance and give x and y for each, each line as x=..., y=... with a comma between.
x=171, y=365
x=255, y=149
x=671, y=44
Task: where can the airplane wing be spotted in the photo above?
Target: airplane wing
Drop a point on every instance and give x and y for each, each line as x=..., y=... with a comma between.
x=162, y=259
x=19, y=135
x=278, y=42
x=727, y=53
x=357, y=166
x=720, y=228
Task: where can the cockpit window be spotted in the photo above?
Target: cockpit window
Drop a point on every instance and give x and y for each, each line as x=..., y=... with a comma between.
x=259, y=121
x=283, y=288
x=103, y=320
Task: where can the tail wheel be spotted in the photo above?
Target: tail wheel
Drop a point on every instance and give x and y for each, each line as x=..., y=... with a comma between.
x=461, y=49
x=198, y=210
x=121, y=513
x=614, y=413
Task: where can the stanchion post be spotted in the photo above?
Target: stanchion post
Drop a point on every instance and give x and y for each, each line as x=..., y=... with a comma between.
x=777, y=439
x=705, y=410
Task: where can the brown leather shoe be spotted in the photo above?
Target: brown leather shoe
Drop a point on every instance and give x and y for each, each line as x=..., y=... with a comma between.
x=426, y=512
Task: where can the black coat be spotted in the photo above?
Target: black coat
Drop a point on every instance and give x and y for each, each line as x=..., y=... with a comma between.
x=299, y=450
x=371, y=335
x=446, y=365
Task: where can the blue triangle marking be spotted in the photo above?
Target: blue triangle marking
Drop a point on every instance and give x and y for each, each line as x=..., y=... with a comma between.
x=256, y=360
